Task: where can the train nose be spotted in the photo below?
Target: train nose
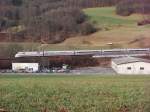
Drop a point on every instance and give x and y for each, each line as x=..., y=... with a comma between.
x=17, y=56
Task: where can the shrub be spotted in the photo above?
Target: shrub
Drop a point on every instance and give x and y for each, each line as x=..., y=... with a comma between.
x=87, y=28
x=125, y=8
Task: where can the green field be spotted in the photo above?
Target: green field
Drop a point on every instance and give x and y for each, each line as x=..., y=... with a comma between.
x=107, y=17
x=58, y=93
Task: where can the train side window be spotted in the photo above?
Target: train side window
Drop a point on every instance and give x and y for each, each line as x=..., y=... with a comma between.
x=128, y=68
x=141, y=68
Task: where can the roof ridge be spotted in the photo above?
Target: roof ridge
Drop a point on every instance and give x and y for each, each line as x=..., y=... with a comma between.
x=125, y=60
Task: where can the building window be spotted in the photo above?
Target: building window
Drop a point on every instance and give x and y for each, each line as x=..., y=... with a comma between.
x=141, y=68
x=128, y=68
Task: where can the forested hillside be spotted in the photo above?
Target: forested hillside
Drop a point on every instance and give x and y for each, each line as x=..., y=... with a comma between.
x=47, y=21
x=52, y=21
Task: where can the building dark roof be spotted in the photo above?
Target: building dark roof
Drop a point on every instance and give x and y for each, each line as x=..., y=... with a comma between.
x=126, y=60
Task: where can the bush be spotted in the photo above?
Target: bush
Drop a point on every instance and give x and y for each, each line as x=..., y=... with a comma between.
x=87, y=28
x=125, y=8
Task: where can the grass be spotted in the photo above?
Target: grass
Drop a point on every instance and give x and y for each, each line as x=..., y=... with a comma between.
x=107, y=17
x=56, y=93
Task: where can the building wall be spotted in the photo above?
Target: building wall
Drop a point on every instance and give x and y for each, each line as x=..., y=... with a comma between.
x=114, y=66
x=24, y=66
x=132, y=68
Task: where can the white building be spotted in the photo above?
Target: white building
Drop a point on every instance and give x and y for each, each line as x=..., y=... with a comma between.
x=131, y=65
x=28, y=67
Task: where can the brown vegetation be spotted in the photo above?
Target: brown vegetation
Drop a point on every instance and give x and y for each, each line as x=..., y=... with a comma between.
x=128, y=7
x=47, y=21
x=144, y=22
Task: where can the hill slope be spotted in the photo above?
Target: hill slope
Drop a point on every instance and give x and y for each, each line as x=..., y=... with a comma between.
x=122, y=32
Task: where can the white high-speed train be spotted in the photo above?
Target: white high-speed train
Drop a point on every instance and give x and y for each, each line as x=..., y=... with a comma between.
x=83, y=52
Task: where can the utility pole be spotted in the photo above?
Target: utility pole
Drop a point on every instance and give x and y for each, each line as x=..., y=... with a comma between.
x=42, y=58
x=143, y=9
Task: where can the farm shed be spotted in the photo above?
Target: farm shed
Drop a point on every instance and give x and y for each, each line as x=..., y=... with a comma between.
x=28, y=67
x=131, y=65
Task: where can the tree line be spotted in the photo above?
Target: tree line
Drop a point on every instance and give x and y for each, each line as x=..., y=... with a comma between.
x=128, y=7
